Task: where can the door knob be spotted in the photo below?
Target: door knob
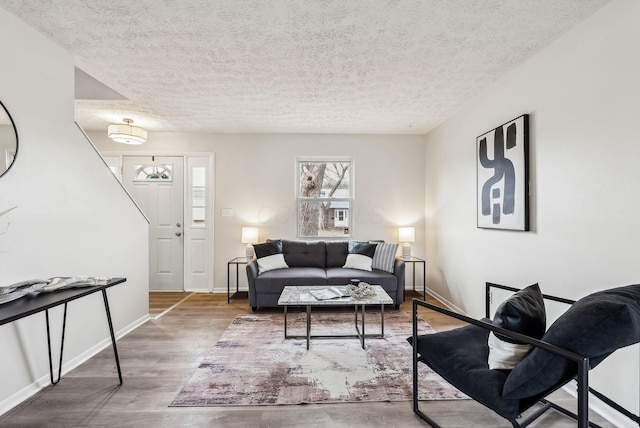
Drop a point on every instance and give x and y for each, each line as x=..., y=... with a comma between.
x=178, y=225
x=178, y=233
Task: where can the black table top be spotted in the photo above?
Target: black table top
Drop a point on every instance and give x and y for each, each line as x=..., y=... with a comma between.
x=32, y=304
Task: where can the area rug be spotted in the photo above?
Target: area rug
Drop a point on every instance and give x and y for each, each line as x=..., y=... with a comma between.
x=252, y=364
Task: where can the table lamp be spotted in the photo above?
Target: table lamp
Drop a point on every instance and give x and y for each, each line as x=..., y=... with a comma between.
x=405, y=236
x=249, y=237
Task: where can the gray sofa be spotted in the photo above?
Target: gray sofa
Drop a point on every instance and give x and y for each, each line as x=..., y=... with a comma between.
x=317, y=263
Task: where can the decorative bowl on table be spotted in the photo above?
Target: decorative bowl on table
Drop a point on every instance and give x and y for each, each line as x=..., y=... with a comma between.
x=360, y=291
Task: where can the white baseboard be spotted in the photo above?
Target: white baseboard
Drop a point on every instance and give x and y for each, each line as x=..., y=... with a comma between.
x=445, y=302
x=598, y=406
x=197, y=290
x=44, y=381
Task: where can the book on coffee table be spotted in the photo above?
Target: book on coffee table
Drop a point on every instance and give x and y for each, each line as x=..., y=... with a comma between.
x=329, y=293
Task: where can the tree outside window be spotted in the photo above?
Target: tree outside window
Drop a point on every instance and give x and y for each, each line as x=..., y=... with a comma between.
x=324, y=196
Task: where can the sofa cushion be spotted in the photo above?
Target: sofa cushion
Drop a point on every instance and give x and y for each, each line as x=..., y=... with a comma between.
x=360, y=256
x=593, y=327
x=274, y=281
x=524, y=313
x=384, y=257
x=269, y=256
x=343, y=276
x=304, y=253
x=337, y=253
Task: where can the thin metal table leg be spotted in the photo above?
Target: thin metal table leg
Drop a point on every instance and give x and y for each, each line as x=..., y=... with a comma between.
x=237, y=278
x=285, y=321
x=308, y=325
x=113, y=336
x=355, y=322
x=228, y=283
x=355, y=317
x=64, y=324
x=424, y=280
x=414, y=276
x=363, y=332
x=382, y=319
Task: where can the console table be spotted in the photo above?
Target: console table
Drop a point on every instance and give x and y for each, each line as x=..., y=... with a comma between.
x=29, y=305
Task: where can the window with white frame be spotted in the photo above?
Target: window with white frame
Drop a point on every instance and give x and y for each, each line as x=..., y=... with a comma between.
x=324, y=195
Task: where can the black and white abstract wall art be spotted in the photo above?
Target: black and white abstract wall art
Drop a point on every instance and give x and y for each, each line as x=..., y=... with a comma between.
x=503, y=176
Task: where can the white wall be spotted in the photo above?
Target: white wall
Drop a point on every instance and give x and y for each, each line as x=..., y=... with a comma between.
x=7, y=138
x=582, y=94
x=72, y=217
x=255, y=173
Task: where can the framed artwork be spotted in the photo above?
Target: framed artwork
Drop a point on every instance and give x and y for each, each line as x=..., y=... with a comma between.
x=502, y=159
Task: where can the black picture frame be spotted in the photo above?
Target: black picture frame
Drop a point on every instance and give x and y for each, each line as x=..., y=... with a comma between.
x=502, y=165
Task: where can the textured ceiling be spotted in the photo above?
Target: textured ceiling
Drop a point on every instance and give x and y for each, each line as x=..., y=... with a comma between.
x=295, y=66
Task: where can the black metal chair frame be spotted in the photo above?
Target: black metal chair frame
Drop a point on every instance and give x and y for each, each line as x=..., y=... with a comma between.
x=582, y=377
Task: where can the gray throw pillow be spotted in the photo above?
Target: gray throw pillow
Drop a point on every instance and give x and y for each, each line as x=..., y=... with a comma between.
x=385, y=257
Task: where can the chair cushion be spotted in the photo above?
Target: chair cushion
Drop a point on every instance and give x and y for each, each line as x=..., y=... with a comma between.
x=593, y=327
x=460, y=357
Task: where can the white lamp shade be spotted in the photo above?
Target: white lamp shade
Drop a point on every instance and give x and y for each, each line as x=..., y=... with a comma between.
x=127, y=134
x=249, y=235
x=407, y=234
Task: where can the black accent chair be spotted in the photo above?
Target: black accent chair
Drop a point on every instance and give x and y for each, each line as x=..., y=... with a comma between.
x=588, y=332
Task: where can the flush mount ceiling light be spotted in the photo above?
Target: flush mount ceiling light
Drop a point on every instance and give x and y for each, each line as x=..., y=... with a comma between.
x=127, y=134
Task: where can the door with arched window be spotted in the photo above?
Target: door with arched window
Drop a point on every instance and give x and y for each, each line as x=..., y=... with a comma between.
x=156, y=183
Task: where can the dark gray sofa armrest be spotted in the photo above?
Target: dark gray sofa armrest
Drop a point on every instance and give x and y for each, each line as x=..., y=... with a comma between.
x=398, y=271
x=252, y=274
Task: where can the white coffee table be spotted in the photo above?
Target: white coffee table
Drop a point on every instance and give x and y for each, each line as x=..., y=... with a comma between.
x=300, y=296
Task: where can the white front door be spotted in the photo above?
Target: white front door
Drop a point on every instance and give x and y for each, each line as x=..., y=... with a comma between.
x=156, y=183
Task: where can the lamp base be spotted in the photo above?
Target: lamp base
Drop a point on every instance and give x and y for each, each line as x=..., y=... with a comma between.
x=406, y=251
x=249, y=251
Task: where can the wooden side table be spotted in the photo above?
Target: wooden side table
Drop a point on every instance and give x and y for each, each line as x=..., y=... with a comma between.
x=237, y=294
x=414, y=261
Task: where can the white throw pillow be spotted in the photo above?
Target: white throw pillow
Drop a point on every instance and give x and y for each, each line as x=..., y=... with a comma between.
x=358, y=261
x=275, y=261
x=504, y=355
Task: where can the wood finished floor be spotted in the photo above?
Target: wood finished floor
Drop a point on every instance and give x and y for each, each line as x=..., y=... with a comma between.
x=160, y=356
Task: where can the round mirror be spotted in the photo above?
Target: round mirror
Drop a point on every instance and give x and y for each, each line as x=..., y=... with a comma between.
x=8, y=140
